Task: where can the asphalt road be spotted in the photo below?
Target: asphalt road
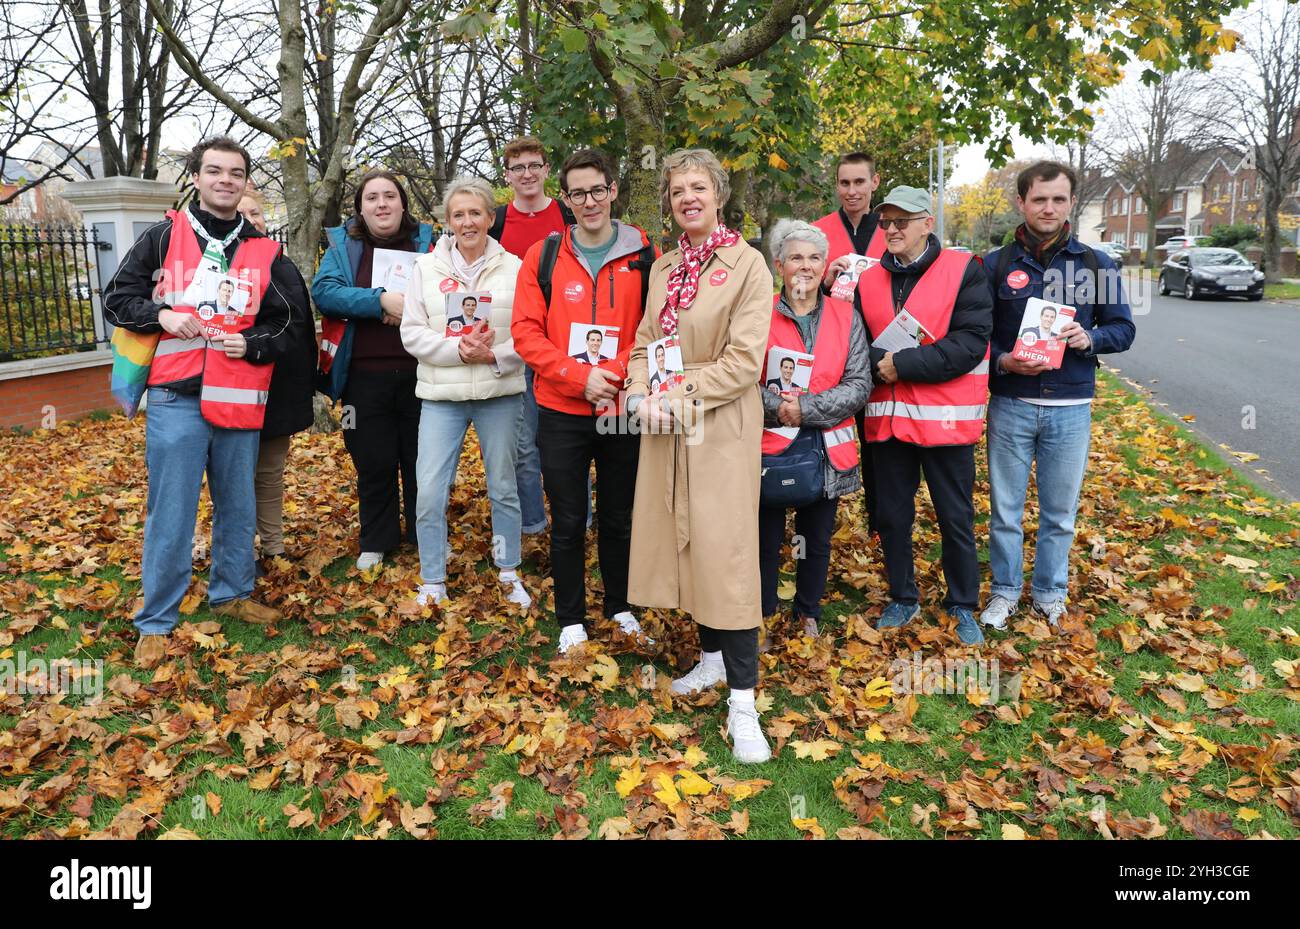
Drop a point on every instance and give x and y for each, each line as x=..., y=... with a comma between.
x=1219, y=360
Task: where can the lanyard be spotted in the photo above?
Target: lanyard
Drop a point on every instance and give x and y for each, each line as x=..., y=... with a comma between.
x=214, y=249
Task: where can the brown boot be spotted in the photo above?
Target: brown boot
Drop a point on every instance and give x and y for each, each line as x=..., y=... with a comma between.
x=249, y=611
x=149, y=651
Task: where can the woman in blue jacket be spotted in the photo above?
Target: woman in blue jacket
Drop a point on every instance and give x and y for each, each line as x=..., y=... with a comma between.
x=371, y=371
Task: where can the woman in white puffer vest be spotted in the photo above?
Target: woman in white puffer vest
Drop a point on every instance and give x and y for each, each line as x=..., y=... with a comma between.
x=468, y=373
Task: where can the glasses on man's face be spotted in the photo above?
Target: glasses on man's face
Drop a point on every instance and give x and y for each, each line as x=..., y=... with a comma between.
x=532, y=168
x=579, y=197
x=900, y=223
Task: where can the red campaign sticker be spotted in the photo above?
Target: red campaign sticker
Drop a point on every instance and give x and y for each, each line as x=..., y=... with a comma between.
x=1017, y=279
x=448, y=285
x=574, y=291
x=717, y=277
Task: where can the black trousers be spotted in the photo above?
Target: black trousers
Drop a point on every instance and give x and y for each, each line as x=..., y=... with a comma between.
x=868, y=472
x=950, y=476
x=739, y=649
x=813, y=526
x=567, y=445
x=381, y=425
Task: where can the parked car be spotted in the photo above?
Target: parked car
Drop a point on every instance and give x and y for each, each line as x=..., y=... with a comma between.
x=1175, y=242
x=959, y=248
x=1115, y=250
x=1222, y=272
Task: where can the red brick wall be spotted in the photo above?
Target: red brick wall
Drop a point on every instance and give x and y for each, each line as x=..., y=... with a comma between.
x=72, y=394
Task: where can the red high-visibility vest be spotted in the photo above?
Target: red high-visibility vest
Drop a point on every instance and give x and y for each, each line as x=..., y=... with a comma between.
x=234, y=391
x=830, y=354
x=840, y=243
x=948, y=413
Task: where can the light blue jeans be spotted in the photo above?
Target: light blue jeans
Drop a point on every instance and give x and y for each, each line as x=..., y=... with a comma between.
x=1056, y=437
x=180, y=445
x=442, y=436
x=528, y=462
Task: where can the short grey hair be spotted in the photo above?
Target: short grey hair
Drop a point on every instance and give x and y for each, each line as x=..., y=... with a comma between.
x=796, y=230
x=690, y=159
x=470, y=185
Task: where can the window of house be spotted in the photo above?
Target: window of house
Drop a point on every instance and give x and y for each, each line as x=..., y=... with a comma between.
x=1140, y=240
x=1178, y=202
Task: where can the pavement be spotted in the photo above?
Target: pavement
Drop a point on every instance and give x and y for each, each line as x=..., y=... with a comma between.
x=1234, y=366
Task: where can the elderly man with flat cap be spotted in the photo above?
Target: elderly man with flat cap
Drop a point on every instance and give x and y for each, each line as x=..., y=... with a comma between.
x=926, y=413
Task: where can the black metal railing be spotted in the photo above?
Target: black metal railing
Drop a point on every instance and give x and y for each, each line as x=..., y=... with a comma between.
x=49, y=282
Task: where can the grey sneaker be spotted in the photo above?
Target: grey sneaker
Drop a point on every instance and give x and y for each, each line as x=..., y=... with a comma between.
x=995, y=615
x=1053, y=611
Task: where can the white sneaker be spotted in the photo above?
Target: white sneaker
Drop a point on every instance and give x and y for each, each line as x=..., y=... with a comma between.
x=996, y=613
x=748, y=745
x=1053, y=611
x=368, y=560
x=572, y=635
x=517, y=592
x=628, y=623
x=430, y=593
x=810, y=627
x=704, y=675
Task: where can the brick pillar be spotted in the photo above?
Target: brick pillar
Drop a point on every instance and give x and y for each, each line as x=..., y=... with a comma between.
x=1255, y=255
x=1286, y=262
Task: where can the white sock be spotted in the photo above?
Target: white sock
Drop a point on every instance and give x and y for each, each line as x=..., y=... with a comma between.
x=711, y=657
x=508, y=575
x=743, y=698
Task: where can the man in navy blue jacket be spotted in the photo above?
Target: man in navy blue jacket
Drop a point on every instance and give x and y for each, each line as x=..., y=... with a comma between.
x=1037, y=413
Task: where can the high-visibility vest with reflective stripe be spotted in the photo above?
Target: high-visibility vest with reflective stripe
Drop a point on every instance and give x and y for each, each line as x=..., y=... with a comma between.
x=830, y=354
x=948, y=413
x=331, y=337
x=841, y=244
x=234, y=391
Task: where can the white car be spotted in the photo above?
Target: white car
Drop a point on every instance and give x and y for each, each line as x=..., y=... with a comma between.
x=1173, y=243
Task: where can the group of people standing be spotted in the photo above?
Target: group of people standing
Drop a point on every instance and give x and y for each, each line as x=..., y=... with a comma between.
x=560, y=365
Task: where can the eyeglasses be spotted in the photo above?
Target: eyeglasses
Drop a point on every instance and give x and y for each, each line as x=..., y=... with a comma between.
x=579, y=197
x=534, y=168
x=900, y=223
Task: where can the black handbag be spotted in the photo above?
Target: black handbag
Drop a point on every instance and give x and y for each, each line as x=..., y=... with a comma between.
x=797, y=476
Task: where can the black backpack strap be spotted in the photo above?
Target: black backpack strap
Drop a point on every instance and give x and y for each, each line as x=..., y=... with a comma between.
x=546, y=265
x=645, y=260
x=499, y=222
x=566, y=214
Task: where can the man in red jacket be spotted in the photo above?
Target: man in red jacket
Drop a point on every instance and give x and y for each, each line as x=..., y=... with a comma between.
x=590, y=277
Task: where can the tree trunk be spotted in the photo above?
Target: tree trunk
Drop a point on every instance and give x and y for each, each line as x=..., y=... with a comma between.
x=1272, y=235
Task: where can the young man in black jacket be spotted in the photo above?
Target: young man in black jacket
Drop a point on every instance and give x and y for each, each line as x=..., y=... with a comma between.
x=204, y=403
x=926, y=413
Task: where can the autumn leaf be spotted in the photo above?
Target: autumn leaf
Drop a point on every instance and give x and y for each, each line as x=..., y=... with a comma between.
x=819, y=750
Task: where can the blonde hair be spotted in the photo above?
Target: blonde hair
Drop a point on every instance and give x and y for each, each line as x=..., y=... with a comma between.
x=470, y=185
x=690, y=159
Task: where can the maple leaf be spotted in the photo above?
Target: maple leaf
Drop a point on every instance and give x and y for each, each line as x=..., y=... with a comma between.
x=819, y=750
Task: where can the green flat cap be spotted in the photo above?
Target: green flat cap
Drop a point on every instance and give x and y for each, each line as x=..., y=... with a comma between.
x=910, y=199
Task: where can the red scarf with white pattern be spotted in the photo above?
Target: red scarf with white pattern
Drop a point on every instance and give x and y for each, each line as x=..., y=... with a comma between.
x=684, y=280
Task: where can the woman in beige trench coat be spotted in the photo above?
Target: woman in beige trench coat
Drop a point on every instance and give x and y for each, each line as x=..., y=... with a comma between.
x=695, y=518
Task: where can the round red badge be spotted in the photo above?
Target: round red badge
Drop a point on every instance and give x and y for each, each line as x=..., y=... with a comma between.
x=1017, y=279
x=448, y=285
x=717, y=277
x=573, y=292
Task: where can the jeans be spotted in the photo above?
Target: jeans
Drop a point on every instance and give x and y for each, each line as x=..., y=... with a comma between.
x=813, y=525
x=568, y=445
x=381, y=418
x=1057, y=438
x=442, y=436
x=180, y=445
x=950, y=477
x=528, y=462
